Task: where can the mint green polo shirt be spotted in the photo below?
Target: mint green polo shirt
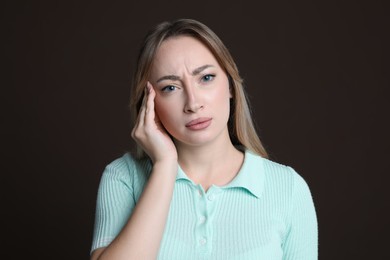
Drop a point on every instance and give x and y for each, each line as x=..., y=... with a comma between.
x=265, y=212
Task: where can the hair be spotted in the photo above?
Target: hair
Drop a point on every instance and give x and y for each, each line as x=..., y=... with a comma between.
x=240, y=125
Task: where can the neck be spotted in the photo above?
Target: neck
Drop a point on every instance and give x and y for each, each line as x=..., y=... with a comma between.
x=210, y=163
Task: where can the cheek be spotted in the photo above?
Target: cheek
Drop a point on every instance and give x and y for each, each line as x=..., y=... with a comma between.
x=164, y=112
x=223, y=92
x=220, y=98
x=223, y=101
x=159, y=108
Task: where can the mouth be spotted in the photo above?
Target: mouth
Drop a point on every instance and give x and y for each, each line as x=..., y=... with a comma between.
x=199, y=123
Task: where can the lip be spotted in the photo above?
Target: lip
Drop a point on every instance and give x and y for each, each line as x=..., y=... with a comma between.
x=199, y=123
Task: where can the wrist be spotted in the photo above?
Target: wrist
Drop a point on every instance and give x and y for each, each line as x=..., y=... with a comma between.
x=164, y=159
x=167, y=165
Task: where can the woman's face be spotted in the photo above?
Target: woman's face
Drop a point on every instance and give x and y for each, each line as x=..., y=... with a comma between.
x=192, y=91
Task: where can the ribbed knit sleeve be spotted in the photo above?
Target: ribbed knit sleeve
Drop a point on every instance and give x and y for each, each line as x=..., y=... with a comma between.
x=301, y=242
x=115, y=202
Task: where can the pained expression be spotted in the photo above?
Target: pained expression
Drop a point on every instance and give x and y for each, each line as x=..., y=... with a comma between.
x=190, y=85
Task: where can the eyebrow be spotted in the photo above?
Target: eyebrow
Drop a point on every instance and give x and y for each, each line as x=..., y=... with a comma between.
x=194, y=73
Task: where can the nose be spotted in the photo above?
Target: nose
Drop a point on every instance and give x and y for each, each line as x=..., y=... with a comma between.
x=193, y=103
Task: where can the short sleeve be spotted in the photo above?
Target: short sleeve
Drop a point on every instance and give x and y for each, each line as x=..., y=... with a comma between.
x=301, y=242
x=115, y=202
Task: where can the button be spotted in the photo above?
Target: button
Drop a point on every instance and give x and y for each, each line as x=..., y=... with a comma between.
x=202, y=219
x=211, y=197
x=202, y=241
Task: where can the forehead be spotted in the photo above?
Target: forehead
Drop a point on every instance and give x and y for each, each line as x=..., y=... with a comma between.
x=180, y=52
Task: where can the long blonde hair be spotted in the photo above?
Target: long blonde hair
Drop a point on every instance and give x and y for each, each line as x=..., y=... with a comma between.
x=241, y=128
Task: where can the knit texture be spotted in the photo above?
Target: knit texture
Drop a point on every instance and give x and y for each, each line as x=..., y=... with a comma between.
x=266, y=212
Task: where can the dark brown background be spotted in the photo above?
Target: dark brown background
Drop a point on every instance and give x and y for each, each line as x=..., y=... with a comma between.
x=317, y=78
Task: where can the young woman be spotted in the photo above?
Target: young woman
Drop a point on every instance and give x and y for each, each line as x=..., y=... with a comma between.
x=200, y=186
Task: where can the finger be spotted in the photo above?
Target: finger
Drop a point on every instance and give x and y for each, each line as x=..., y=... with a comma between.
x=152, y=116
x=142, y=110
x=145, y=95
x=139, y=122
x=149, y=113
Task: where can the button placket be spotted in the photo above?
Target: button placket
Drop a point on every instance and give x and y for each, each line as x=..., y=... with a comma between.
x=202, y=234
x=202, y=241
x=211, y=197
x=202, y=219
x=205, y=220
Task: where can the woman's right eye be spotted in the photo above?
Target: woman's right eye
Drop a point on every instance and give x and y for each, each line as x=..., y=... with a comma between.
x=169, y=88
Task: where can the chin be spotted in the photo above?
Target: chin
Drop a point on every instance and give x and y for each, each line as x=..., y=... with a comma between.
x=198, y=139
x=193, y=141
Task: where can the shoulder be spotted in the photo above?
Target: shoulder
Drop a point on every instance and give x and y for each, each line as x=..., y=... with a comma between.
x=286, y=179
x=127, y=168
x=279, y=170
x=278, y=175
x=268, y=167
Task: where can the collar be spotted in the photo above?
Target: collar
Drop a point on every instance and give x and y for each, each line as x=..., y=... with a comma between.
x=250, y=177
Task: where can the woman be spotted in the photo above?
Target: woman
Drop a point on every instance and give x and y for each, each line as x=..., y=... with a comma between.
x=200, y=186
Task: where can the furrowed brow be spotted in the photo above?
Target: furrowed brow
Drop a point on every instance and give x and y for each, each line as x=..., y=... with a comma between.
x=200, y=69
x=177, y=78
x=168, y=77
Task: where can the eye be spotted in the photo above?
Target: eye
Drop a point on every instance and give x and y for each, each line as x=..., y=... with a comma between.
x=208, y=77
x=168, y=88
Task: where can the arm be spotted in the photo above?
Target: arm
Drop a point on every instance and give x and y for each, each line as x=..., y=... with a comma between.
x=141, y=236
x=302, y=238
